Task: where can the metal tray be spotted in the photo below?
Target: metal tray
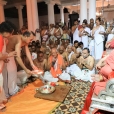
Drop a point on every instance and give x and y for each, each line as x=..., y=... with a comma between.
x=46, y=89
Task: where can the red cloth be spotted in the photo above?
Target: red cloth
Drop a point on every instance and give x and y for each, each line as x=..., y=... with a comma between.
x=88, y=100
x=110, y=60
x=109, y=67
x=111, y=44
x=1, y=43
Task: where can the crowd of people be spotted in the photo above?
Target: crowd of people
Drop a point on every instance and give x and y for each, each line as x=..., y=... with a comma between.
x=57, y=51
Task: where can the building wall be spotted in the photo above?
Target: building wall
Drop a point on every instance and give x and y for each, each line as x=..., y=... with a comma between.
x=15, y=21
x=109, y=16
x=44, y=19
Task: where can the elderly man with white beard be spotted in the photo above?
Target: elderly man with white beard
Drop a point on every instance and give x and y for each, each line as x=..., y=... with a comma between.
x=71, y=58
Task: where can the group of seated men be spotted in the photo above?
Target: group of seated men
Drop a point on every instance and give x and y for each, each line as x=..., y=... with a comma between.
x=57, y=60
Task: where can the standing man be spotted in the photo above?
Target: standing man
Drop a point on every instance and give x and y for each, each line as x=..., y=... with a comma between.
x=84, y=34
x=58, y=32
x=15, y=42
x=86, y=65
x=51, y=32
x=3, y=56
x=75, y=31
x=56, y=65
x=98, y=34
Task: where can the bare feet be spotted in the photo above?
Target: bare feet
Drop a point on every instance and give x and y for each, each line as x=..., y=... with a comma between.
x=5, y=101
x=2, y=106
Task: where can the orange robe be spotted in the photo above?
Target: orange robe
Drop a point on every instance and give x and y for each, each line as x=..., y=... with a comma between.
x=57, y=72
x=108, y=68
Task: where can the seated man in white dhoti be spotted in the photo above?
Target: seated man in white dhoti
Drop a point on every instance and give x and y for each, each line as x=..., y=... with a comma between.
x=86, y=66
x=15, y=42
x=41, y=63
x=83, y=33
x=57, y=66
x=71, y=57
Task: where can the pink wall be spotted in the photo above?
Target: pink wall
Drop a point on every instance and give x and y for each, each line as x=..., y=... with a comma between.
x=109, y=16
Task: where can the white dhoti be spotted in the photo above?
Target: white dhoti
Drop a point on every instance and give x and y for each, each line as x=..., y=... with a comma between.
x=99, y=38
x=84, y=74
x=76, y=36
x=98, y=50
x=22, y=77
x=49, y=77
x=65, y=76
x=2, y=94
x=85, y=41
x=72, y=68
x=10, y=77
x=92, y=48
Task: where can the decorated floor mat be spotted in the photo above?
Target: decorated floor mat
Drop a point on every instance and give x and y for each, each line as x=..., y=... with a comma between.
x=74, y=101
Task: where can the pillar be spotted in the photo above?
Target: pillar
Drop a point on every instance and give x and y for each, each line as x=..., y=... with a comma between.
x=20, y=15
x=35, y=18
x=51, y=16
x=61, y=13
x=92, y=9
x=83, y=10
x=2, y=16
x=29, y=15
x=88, y=15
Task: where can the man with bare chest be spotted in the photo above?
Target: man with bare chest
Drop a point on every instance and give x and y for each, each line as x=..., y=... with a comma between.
x=40, y=62
x=15, y=42
x=42, y=65
x=86, y=65
x=45, y=34
x=58, y=32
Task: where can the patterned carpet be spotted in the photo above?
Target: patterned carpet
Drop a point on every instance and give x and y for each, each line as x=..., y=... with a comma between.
x=74, y=101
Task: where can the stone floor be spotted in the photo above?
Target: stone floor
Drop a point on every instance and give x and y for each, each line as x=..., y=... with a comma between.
x=74, y=101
